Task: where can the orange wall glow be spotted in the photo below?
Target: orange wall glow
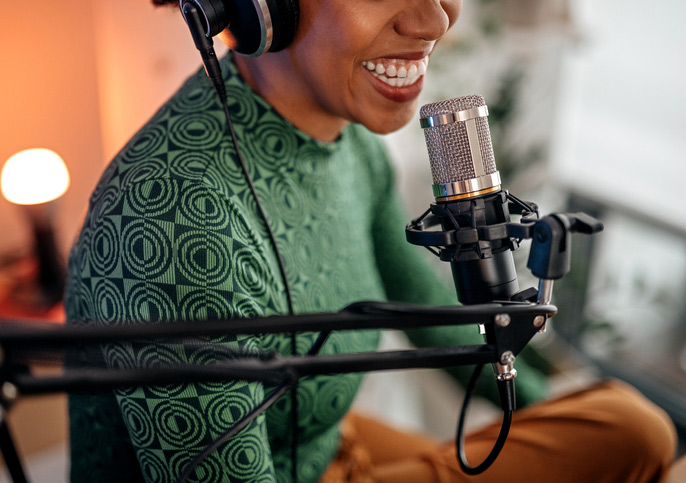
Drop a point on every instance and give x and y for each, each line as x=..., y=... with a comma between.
x=80, y=78
x=49, y=97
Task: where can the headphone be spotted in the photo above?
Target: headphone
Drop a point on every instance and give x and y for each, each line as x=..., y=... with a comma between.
x=258, y=26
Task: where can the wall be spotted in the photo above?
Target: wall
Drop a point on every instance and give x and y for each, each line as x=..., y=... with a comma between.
x=143, y=55
x=49, y=98
x=81, y=81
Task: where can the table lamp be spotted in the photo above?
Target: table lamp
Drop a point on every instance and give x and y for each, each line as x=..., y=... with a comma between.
x=34, y=178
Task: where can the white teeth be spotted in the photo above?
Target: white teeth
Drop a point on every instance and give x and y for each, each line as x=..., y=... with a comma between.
x=397, y=76
x=422, y=69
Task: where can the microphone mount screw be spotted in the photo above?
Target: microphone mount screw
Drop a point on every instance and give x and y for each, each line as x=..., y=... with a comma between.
x=9, y=392
x=502, y=320
x=539, y=320
x=508, y=358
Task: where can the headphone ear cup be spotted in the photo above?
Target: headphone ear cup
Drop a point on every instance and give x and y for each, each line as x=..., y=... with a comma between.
x=258, y=26
x=213, y=14
x=285, y=23
x=252, y=31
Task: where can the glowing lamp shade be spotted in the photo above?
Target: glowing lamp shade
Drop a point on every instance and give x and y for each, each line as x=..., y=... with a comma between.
x=34, y=176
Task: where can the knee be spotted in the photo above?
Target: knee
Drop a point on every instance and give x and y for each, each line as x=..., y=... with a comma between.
x=644, y=434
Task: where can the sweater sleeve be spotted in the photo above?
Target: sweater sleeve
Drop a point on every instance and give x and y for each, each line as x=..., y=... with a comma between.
x=410, y=276
x=163, y=250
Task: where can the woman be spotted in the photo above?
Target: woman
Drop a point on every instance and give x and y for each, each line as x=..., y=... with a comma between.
x=174, y=232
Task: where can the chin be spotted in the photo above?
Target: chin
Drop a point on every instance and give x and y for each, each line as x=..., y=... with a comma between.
x=389, y=123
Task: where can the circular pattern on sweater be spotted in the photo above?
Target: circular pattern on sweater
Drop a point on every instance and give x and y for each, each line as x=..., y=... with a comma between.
x=105, y=247
x=203, y=257
x=150, y=303
x=138, y=421
x=210, y=469
x=105, y=202
x=197, y=130
x=153, y=466
x=310, y=163
x=110, y=172
x=119, y=356
x=156, y=355
x=245, y=457
x=335, y=396
x=146, y=249
x=317, y=192
x=202, y=208
x=152, y=168
x=251, y=274
x=177, y=423
x=246, y=306
x=80, y=299
x=190, y=164
x=203, y=304
x=145, y=144
x=289, y=201
x=196, y=98
x=269, y=145
x=223, y=412
x=108, y=302
x=152, y=198
x=305, y=253
x=153, y=355
x=244, y=111
x=228, y=169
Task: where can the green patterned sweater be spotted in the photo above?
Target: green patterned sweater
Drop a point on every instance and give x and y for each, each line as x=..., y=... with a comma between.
x=172, y=232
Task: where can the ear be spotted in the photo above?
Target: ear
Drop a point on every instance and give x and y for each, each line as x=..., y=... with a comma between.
x=227, y=39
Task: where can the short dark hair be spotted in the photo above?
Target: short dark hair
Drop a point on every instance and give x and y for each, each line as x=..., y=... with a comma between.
x=165, y=2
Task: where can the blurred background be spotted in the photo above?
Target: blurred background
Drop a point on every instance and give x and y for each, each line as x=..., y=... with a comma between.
x=586, y=113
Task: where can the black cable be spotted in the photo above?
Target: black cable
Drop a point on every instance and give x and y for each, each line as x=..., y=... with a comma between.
x=505, y=388
x=258, y=204
x=316, y=347
x=234, y=430
x=459, y=438
x=294, y=418
x=204, y=44
x=221, y=92
x=282, y=269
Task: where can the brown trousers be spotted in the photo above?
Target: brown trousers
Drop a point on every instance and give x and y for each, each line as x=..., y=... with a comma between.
x=607, y=433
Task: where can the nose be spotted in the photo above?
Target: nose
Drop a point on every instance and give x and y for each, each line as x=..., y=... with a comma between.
x=427, y=19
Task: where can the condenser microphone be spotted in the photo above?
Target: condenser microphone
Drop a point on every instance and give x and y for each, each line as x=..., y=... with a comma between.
x=468, y=194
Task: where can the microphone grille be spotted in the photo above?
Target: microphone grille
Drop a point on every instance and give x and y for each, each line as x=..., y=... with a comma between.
x=451, y=154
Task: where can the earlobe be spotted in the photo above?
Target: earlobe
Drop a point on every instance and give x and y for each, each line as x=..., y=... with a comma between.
x=227, y=39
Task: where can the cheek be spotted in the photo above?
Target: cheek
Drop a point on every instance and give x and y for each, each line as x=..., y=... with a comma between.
x=339, y=26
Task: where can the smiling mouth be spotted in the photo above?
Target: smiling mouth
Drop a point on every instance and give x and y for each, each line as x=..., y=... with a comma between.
x=397, y=72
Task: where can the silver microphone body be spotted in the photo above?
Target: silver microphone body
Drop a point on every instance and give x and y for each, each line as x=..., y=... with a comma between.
x=467, y=189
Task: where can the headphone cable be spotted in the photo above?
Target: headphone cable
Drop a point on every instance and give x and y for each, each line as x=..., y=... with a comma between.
x=213, y=69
